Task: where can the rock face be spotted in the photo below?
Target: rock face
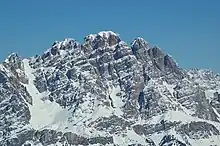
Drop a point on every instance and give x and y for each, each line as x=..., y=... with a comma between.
x=105, y=92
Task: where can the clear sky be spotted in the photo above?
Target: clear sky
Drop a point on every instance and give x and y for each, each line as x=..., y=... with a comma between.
x=188, y=30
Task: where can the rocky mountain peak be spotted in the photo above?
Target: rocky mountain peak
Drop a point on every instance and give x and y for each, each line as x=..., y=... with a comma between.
x=139, y=43
x=156, y=52
x=101, y=39
x=105, y=92
x=13, y=58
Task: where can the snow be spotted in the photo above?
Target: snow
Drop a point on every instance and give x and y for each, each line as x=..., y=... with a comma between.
x=179, y=116
x=101, y=111
x=169, y=87
x=59, y=144
x=46, y=114
x=139, y=39
x=59, y=44
x=47, y=51
x=101, y=145
x=66, y=41
x=130, y=138
x=18, y=71
x=215, y=111
x=43, y=113
x=107, y=34
x=139, y=139
x=211, y=141
x=172, y=116
x=103, y=34
x=171, y=99
x=1, y=67
x=7, y=59
x=157, y=137
x=117, y=101
x=91, y=36
x=63, y=53
x=32, y=143
x=209, y=94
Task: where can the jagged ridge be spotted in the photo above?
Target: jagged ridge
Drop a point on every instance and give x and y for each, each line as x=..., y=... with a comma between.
x=106, y=92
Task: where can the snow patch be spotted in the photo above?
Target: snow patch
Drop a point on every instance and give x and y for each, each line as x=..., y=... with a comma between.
x=172, y=116
x=43, y=113
x=117, y=101
x=101, y=111
x=63, y=53
x=1, y=67
x=170, y=88
x=107, y=34
x=130, y=138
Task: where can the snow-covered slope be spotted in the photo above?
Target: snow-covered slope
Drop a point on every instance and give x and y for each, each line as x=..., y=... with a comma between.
x=105, y=92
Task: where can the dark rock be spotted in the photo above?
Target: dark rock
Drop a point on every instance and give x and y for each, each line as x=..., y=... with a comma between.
x=169, y=140
x=198, y=130
x=139, y=129
x=113, y=40
x=101, y=140
x=48, y=137
x=74, y=139
x=112, y=124
x=150, y=142
x=54, y=51
x=3, y=77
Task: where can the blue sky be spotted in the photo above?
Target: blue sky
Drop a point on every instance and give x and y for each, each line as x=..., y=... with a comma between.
x=188, y=30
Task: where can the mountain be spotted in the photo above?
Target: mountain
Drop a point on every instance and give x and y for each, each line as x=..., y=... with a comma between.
x=106, y=92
